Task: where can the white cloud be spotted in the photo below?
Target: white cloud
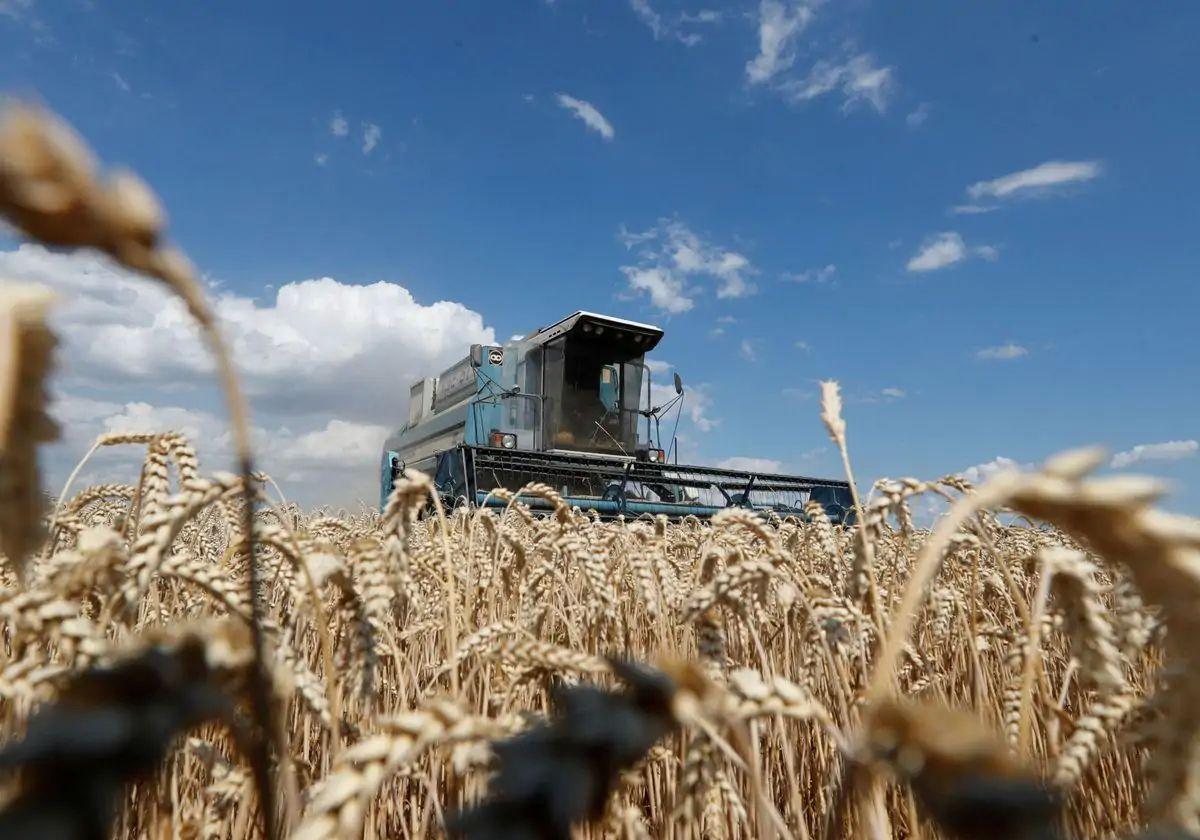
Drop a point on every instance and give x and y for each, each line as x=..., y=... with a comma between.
x=859, y=79
x=673, y=28
x=698, y=406
x=120, y=81
x=802, y=346
x=587, y=112
x=778, y=28
x=671, y=255
x=1002, y=352
x=371, y=135
x=321, y=159
x=973, y=209
x=666, y=291
x=824, y=274
x=1036, y=181
x=338, y=126
x=335, y=463
x=883, y=395
x=750, y=464
x=338, y=444
x=315, y=351
x=749, y=349
x=917, y=116
x=15, y=9
x=1171, y=450
x=980, y=473
x=658, y=367
x=944, y=250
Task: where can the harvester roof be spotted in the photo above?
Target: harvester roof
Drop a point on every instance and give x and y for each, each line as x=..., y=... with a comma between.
x=619, y=330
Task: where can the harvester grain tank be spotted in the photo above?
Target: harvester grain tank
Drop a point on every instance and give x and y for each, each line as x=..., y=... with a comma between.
x=571, y=405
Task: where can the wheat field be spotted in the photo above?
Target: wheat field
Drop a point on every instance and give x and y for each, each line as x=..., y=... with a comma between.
x=1024, y=669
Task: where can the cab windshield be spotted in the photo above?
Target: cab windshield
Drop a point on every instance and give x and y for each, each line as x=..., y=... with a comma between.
x=592, y=392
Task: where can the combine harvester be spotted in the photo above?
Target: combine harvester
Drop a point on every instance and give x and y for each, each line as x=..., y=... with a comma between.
x=565, y=406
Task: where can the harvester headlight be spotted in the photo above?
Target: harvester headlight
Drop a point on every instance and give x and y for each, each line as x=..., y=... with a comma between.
x=655, y=456
x=503, y=440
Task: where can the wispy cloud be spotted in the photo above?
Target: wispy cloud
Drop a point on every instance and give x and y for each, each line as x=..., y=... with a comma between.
x=678, y=27
x=120, y=81
x=946, y=249
x=321, y=159
x=671, y=257
x=1171, y=450
x=751, y=464
x=1039, y=180
x=917, y=116
x=972, y=209
x=1002, y=352
x=371, y=135
x=21, y=12
x=859, y=79
x=854, y=74
x=778, y=28
x=590, y=115
x=817, y=276
x=749, y=349
x=338, y=126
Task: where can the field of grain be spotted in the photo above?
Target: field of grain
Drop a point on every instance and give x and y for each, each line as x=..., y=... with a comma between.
x=1024, y=669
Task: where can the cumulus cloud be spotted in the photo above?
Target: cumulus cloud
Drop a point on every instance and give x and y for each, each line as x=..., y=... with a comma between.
x=666, y=291
x=1171, y=450
x=1002, y=352
x=671, y=257
x=338, y=126
x=315, y=345
x=980, y=473
x=327, y=364
x=371, y=135
x=778, y=28
x=944, y=250
x=588, y=112
x=696, y=408
x=1039, y=180
x=750, y=464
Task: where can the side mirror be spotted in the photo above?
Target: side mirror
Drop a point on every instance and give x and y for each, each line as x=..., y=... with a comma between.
x=678, y=384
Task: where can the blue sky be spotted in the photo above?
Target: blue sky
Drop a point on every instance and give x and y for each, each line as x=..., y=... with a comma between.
x=980, y=218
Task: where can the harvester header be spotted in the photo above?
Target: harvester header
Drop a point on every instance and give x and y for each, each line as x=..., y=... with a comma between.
x=570, y=405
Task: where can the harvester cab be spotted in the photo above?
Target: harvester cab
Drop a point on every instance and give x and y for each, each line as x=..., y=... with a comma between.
x=572, y=405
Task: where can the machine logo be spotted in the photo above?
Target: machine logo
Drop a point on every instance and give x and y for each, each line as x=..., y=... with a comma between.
x=495, y=356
